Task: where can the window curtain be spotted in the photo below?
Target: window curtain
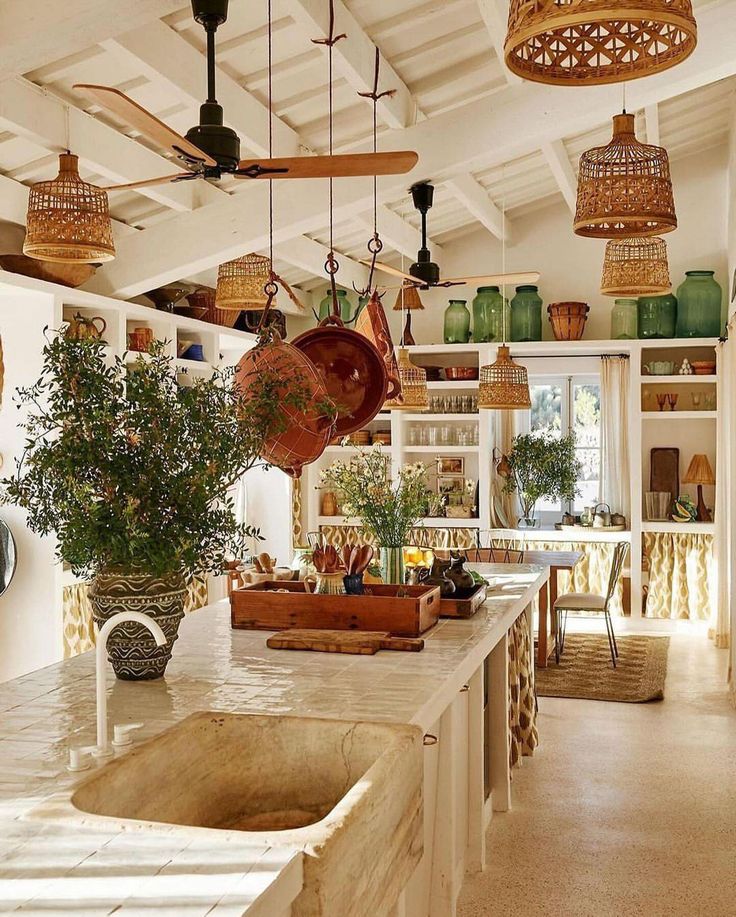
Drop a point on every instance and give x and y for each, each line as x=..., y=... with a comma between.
x=615, y=486
x=505, y=508
x=725, y=494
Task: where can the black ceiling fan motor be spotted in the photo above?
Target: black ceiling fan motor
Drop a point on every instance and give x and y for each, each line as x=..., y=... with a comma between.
x=424, y=268
x=211, y=135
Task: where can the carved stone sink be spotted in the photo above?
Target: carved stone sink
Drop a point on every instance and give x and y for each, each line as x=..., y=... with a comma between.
x=347, y=794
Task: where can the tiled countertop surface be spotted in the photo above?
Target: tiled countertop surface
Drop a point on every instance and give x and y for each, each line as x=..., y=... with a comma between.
x=50, y=869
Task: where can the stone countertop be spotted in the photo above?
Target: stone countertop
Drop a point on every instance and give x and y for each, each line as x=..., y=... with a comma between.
x=50, y=868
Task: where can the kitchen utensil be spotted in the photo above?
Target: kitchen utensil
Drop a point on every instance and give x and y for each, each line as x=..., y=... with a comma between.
x=373, y=324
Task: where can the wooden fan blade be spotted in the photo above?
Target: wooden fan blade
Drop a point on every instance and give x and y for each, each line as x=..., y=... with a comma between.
x=496, y=279
x=342, y=166
x=395, y=272
x=137, y=116
x=147, y=182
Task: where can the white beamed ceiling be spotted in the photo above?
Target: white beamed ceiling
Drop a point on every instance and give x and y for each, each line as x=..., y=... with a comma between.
x=442, y=56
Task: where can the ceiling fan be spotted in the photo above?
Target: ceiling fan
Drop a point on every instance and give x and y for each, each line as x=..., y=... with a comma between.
x=425, y=274
x=211, y=149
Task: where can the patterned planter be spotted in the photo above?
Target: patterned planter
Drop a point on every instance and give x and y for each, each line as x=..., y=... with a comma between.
x=392, y=565
x=131, y=648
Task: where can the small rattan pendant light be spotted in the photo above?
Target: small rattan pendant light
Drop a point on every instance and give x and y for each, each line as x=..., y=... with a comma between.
x=624, y=188
x=591, y=42
x=408, y=300
x=635, y=267
x=68, y=219
x=413, y=396
x=241, y=283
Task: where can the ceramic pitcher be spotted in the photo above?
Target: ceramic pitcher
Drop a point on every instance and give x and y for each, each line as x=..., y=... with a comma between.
x=325, y=583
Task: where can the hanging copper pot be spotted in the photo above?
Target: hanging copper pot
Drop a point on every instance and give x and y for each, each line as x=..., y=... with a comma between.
x=373, y=324
x=352, y=370
x=308, y=429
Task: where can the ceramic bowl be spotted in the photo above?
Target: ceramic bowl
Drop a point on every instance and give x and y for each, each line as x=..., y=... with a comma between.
x=461, y=373
x=703, y=367
x=68, y=275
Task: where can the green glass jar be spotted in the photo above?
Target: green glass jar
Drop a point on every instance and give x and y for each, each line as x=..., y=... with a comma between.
x=526, y=314
x=624, y=320
x=699, y=306
x=457, y=322
x=490, y=312
x=657, y=316
x=325, y=306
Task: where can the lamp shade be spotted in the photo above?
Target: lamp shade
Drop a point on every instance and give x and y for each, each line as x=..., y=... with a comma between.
x=635, y=267
x=504, y=385
x=591, y=42
x=240, y=283
x=413, y=395
x=68, y=220
x=408, y=298
x=699, y=471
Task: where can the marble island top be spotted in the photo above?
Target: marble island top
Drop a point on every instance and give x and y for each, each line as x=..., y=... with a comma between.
x=49, y=868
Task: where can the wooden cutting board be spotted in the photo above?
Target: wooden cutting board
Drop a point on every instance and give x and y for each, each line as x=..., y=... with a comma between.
x=355, y=642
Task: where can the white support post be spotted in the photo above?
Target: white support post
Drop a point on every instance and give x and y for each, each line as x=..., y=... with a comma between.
x=444, y=888
x=498, y=725
x=476, y=853
x=474, y=197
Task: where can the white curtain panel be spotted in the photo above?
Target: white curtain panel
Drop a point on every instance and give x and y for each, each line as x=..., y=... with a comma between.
x=720, y=623
x=505, y=508
x=615, y=486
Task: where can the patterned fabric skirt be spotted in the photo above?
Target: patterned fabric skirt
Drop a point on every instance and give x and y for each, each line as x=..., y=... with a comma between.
x=523, y=735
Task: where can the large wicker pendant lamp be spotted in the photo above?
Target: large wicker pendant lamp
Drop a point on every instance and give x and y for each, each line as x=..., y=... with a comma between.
x=624, y=188
x=635, y=267
x=241, y=283
x=591, y=42
x=68, y=219
x=413, y=396
x=504, y=385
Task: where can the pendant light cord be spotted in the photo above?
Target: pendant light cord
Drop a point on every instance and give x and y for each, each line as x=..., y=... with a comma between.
x=270, y=288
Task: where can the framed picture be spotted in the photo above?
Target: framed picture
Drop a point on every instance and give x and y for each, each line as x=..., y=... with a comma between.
x=454, y=465
x=450, y=484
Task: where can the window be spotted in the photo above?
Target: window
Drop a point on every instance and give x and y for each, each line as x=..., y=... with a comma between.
x=571, y=405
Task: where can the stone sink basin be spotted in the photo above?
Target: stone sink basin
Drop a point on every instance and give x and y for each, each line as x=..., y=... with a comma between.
x=348, y=794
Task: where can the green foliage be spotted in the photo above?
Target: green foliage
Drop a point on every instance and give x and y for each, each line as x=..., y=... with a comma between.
x=543, y=466
x=128, y=469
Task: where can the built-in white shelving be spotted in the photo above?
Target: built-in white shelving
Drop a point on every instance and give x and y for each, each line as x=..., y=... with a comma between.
x=679, y=415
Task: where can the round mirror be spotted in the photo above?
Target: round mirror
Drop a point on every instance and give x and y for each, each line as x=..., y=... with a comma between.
x=7, y=556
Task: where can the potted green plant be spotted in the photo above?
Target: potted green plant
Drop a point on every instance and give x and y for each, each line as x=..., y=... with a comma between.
x=130, y=471
x=541, y=466
x=387, y=509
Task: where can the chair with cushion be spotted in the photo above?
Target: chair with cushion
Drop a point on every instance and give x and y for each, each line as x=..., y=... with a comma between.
x=591, y=602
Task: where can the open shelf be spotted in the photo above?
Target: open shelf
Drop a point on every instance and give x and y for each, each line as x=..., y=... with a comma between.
x=679, y=415
x=680, y=528
x=439, y=449
x=444, y=418
x=454, y=386
x=692, y=379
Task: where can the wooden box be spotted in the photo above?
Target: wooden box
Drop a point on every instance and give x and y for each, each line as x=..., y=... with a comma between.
x=283, y=605
x=464, y=607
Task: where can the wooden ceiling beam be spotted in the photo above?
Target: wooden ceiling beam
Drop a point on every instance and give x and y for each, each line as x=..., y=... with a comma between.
x=559, y=163
x=396, y=232
x=474, y=197
x=494, y=18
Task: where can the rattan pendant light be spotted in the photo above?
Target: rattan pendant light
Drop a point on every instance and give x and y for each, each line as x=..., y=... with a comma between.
x=408, y=300
x=624, y=188
x=68, y=219
x=635, y=267
x=413, y=396
x=591, y=42
x=241, y=283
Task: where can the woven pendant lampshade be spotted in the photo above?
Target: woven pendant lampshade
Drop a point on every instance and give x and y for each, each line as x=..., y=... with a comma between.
x=68, y=219
x=240, y=283
x=504, y=385
x=624, y=188
x=413, y=395
x=635, y=267
x=408, y=299
x=592, y=42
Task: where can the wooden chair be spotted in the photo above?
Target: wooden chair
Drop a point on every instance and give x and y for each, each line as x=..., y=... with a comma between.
x=499, y=549
x=589, y=601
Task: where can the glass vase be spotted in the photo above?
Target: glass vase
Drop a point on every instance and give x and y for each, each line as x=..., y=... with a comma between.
x=657, y=316
x=325, y=306
x=624, y=320
x=457, y=322
x=392, y=565
x=526, y=314
x=699, y=306
x=490, y=312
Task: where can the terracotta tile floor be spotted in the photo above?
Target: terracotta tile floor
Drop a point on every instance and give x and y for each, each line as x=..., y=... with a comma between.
x=626, y=809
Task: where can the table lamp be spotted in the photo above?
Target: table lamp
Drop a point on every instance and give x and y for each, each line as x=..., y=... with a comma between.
x=699, y=472
x=408, y=299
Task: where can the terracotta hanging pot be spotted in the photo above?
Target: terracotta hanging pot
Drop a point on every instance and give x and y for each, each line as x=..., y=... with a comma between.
x=373, y=324
x=353, y=372
x=308, y=429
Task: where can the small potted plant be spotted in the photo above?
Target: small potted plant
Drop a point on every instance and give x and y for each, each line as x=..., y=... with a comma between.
x=541, y=467
x=131, y=473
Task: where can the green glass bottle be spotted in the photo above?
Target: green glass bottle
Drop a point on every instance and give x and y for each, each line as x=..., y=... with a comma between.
x=490, y=312
x=657, y=316
x=624, y=320
x=325, y=306
x=457, y=322
x=526, y=314
x=699, y=306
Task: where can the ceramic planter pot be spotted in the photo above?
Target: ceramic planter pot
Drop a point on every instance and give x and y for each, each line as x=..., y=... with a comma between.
x=392, y=565
x=131, y=649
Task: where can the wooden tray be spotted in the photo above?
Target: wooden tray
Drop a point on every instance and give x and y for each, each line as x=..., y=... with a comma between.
x=285, y=605
x=464, y=607
x=353, y=642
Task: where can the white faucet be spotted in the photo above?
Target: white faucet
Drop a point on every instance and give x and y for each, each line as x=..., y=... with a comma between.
x=103, y=749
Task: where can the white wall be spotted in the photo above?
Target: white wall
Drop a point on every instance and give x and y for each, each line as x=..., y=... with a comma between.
x=269, y=509
x=30, y=618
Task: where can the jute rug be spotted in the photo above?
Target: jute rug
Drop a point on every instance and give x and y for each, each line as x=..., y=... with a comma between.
x=585, y=669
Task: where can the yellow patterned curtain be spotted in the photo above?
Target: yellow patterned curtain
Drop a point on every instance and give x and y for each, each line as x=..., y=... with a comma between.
x=455, y=538
x=681, y=575
x=523, y=735
x=590, y=573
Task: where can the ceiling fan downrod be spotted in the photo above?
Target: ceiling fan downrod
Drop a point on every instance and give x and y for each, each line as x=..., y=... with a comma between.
x=424, y=268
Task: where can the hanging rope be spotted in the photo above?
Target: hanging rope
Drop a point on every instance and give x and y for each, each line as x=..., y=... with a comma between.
x=270, y=288
x=331, y=265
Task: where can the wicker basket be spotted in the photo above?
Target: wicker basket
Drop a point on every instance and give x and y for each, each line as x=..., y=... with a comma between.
x=204, y=297
x=568, y=319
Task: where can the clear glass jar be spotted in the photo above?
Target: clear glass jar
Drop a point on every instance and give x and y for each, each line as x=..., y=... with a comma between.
x=526, y=314
x=657, y=316
x=624, y=320
x=699, y=306
x=457, y=322
x=490, y=312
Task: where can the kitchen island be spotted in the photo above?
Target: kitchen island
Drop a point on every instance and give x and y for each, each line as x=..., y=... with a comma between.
x=455, y=690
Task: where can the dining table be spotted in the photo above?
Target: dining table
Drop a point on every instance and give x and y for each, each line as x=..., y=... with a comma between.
x=556, y=561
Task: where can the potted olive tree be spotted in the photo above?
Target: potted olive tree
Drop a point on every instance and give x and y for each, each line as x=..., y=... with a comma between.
x=541, y=467
x=130, y=471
